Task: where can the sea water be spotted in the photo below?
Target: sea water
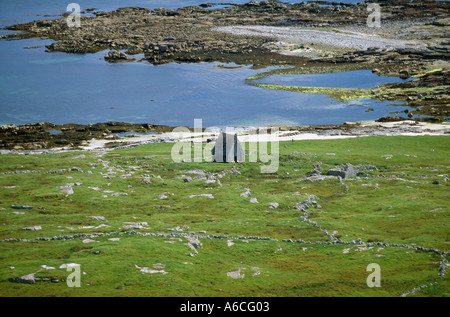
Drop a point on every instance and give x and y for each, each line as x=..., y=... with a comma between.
x=57, y=87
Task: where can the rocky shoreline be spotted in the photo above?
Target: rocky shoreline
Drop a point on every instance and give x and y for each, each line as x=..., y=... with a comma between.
x=40, y=138
x=204, y=33
x=45, y=135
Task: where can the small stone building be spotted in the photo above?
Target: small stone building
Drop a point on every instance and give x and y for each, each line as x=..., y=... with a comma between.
x=228, y=149
x=348, y=170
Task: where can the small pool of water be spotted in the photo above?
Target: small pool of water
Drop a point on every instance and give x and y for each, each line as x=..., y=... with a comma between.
x=53, y=131
x=351, y=79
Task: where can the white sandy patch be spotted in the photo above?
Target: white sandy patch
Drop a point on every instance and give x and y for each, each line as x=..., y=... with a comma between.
x=296, y=35
x=248, y=134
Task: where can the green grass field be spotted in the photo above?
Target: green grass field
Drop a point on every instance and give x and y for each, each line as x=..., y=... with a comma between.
x=397, y=204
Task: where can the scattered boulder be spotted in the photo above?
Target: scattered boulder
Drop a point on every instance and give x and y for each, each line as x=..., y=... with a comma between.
x=163, y=196
x=150, y=271
x=318, y=178
x=135, y=225
x=115, y=56
x=187, y=179
x=34, y=228
x=88, y=241
x=67, y=189
x=99, y=218
x=202, y=195
x=316, y=170
x=404, y=74
x=273, y=205
x=193, y=243
x=21, y=207
x=158, y=266
x=47, y=267
x=175, y=229
x=26, y=279
x=119, y=194
x=236, y=274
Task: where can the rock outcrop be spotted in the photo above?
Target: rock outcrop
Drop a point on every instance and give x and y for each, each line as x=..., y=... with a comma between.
x=348, y=170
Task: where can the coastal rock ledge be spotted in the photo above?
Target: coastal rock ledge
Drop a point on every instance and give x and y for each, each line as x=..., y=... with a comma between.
x=115, y=56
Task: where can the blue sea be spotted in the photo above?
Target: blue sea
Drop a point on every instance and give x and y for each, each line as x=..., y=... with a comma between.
x=36, y=86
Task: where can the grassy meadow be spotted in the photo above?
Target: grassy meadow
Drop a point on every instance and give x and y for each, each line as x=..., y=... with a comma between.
x=404, y=201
